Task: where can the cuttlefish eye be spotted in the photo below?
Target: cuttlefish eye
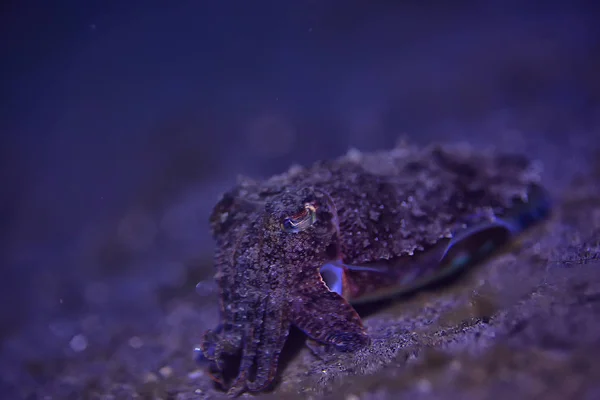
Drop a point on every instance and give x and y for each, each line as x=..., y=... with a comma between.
x=300, y=221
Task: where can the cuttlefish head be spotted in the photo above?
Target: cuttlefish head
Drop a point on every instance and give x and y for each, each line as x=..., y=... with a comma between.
x=304, y=225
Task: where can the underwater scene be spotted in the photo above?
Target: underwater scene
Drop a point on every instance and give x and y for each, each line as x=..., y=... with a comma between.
x=300, y=200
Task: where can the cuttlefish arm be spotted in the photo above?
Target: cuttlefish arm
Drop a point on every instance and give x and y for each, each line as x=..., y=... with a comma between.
x=325, y=316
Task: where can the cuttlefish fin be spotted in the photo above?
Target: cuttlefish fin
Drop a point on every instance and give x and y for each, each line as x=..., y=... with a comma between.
x=388, y=278
x=479, y=241
x=381, y=280
x=475, y=243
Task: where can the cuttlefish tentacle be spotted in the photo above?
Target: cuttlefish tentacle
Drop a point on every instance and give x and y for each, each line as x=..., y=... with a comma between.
x=274, y=333
x=250, y=347
x=226, y=340
x=341, y=328
x=214, y=346
x=207, y=352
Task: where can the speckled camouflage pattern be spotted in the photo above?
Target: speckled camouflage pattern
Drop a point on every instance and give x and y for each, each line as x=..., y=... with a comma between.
x=366, y=209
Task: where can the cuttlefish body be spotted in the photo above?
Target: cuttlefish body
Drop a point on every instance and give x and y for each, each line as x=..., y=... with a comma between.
x=303, y=247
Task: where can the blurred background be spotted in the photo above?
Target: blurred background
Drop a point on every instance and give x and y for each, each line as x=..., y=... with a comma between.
x=122, y=123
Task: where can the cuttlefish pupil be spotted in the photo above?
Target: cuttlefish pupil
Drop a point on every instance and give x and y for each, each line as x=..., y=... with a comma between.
x=301, y=221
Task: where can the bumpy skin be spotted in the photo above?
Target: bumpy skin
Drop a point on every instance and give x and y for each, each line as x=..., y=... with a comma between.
x=367, y=208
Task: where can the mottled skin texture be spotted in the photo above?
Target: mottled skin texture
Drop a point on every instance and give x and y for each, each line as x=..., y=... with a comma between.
x=365, y=211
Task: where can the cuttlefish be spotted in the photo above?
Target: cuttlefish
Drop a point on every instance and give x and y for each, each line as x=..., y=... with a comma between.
x=302, y=248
